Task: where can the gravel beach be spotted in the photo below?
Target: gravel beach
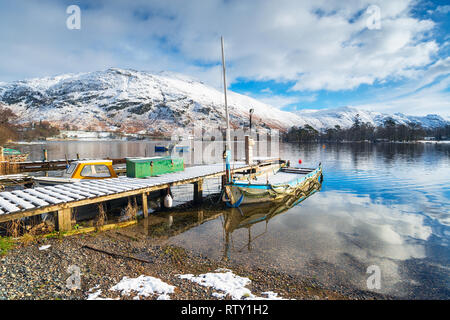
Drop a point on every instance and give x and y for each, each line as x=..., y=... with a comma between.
x=40, y=270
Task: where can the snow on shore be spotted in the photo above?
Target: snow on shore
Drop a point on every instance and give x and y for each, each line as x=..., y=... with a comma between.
x=223, y=280
x=229, y=283
x=144, y=286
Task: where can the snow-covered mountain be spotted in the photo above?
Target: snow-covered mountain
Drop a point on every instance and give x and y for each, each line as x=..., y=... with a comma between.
x=135, y=101
x=344, y=117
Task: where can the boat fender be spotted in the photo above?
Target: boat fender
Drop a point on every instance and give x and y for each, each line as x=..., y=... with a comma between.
x=168, y=201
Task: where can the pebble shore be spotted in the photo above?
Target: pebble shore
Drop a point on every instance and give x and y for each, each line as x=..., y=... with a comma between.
x=26, y=272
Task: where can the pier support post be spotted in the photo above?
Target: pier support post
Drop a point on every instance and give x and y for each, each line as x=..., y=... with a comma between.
x=198, y=191
x=144, y=205
x=162, y=194
x=200, y=216
x=64, y=219
x=249, y=143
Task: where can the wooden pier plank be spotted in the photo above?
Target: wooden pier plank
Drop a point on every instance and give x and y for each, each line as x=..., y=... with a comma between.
x=112, y=186
x=67, y=193
x=8, y=206
x=29, y=197
x=75, y=192
x=23, y=203
x=107, y=187
x=80, y=187
x=52, y=193
x=43, y=196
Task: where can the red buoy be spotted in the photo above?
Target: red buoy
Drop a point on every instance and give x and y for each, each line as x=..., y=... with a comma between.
x=300, y=161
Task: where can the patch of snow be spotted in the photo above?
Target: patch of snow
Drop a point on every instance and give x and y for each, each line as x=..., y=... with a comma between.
x=144, y=286
x=271, y=296
x=225, y=280
x=96, y=296
x=222, y=279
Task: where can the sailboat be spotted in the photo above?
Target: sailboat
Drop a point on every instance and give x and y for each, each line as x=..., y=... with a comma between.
x=286, y=181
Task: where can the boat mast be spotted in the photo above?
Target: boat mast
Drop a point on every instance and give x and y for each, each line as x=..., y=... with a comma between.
x=228, y=135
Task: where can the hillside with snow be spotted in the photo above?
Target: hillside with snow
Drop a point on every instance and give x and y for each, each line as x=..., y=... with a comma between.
x=134, y=101
x=344, y=117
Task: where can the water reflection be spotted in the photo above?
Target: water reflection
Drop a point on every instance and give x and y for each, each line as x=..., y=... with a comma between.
x=251, y=214
x=380, y=204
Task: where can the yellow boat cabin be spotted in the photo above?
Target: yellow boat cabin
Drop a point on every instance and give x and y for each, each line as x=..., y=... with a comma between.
x=80, y=170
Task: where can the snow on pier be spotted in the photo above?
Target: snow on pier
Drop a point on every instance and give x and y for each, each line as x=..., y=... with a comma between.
x=62, y=198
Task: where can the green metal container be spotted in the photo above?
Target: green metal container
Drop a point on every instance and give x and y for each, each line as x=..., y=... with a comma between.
x=10, y=152
x=149, y=167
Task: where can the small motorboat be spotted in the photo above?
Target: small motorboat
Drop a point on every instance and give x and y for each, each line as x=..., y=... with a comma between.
x=80, y=170
x=161, y=149
x=287, y=181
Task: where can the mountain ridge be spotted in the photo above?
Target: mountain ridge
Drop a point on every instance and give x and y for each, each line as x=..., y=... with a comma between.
x=143, y=102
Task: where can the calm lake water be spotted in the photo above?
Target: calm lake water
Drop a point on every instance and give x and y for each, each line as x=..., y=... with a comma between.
x=386, y=205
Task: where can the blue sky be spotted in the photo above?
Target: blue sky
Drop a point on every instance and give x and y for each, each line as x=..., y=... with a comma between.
x=389, y=56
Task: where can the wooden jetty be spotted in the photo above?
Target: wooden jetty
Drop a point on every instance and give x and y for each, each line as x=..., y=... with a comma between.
x=62, y=199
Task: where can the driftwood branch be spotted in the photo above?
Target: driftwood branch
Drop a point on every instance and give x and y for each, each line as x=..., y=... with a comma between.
x=116, y=254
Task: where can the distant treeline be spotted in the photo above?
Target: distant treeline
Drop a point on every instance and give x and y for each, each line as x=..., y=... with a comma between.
x=363, y=131
x=10, y=130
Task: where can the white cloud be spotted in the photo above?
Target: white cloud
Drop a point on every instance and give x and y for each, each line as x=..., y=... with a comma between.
x=429, y=100
x=277, y=101
x=427, y=93
x=319, y=45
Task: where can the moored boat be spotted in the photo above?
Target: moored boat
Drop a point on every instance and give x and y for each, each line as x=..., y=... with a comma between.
x=80, y=170
x=287, y=181
x=161, y=149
